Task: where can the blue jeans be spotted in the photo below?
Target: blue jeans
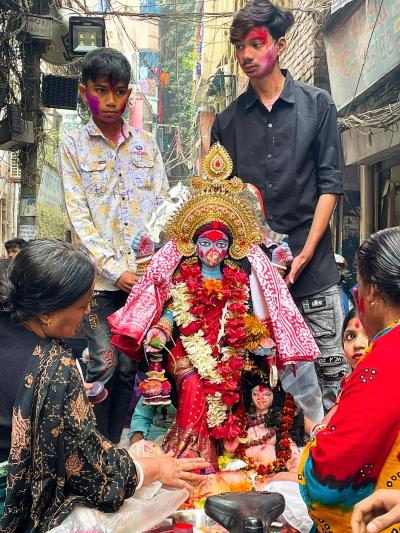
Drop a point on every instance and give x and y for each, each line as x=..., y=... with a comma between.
x=109, y=365
x=323, y=313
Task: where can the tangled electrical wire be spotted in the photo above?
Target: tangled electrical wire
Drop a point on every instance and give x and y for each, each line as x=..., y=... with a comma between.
x=383, y=117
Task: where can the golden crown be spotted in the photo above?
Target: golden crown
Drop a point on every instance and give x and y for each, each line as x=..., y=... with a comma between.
x=216, y=198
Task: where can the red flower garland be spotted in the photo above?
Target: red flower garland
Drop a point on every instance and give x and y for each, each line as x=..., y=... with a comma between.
x=205, y=295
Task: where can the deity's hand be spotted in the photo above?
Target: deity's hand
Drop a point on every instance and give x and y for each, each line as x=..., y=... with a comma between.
x=230, y=445
x=154, y=337
x=282, y=254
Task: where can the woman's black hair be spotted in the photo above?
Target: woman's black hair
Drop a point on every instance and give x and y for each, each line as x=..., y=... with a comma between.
x=45, y=276
x=353, y=313
x=378, y=261
x=106, y=62
x=261, y=13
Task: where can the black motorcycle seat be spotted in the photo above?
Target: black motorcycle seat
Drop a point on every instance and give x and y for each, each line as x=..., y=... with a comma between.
x=245, y=512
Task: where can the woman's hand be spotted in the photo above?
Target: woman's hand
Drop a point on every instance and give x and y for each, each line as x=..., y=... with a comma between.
x=172, y=472
x=377, y=512
x=152, y=335
x=179, y=472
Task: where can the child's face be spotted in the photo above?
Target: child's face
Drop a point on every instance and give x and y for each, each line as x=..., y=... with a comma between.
x=355, y=341
x=106, y=100
x=13, y=252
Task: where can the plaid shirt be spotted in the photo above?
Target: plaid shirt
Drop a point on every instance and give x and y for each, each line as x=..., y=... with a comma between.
x=108, y=193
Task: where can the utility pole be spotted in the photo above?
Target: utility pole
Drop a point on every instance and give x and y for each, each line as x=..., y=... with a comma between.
x=31, y=110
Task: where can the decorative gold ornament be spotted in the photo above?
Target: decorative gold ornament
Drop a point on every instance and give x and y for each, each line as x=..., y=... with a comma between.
x=216, y=198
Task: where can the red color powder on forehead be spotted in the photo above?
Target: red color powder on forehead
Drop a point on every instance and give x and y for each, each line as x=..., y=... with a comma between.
x=214, y=235
x=261, y=389
x=357, y=324
x=259, y=34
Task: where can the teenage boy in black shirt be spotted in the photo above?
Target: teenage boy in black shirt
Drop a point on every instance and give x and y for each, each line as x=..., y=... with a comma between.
x=282, y=136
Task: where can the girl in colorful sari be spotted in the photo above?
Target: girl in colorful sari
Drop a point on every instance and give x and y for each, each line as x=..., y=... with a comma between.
x=358, y=452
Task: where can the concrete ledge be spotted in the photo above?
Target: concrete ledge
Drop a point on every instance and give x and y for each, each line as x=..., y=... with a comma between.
x=371, y=146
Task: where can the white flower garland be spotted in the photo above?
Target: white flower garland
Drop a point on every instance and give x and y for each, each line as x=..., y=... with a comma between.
x=181, y=305
x=216, y=410
x=200, y=355
x=200, y=352
x=197, y=348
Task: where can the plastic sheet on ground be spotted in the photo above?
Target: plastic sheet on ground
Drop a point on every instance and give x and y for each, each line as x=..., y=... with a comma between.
x=135, y=515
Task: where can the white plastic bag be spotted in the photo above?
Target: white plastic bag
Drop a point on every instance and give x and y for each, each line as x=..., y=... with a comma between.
x=135, y=516
x=149, y=506
x=295, y=513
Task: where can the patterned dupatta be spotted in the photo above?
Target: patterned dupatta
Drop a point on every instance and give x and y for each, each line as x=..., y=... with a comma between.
x=57, y=457
x=36, y=468
x=269, y=292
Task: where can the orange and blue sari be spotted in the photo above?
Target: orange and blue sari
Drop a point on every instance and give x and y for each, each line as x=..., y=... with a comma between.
x=358, y=452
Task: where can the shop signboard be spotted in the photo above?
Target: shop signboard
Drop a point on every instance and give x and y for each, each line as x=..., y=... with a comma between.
x=348, y=37
x=338, y=4
x=27, y=232
x=40, y=27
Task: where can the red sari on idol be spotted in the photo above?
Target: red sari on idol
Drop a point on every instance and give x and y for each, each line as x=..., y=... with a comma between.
x=189, y=435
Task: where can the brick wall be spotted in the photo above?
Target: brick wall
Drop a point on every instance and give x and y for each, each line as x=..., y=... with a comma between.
x=305, y=56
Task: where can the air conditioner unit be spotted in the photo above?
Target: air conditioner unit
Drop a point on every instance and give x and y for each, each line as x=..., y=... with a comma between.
x=15, y=132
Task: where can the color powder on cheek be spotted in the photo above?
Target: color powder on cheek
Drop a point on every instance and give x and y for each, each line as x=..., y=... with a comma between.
x=361, y=305
x=267, y=61
x=93, y=103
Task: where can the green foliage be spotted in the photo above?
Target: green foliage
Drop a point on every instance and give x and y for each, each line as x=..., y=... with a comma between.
x=178, y=58
x=51, y=143
x=51, y=223
x=189, y=60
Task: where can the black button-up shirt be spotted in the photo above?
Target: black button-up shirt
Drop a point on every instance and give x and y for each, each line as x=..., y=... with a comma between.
x=292, y=154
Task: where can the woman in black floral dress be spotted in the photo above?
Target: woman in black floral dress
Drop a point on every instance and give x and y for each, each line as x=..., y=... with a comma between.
x=56, y=457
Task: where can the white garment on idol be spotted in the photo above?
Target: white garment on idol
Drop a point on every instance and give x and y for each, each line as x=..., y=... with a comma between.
x=303, y=383
x=295, y=513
